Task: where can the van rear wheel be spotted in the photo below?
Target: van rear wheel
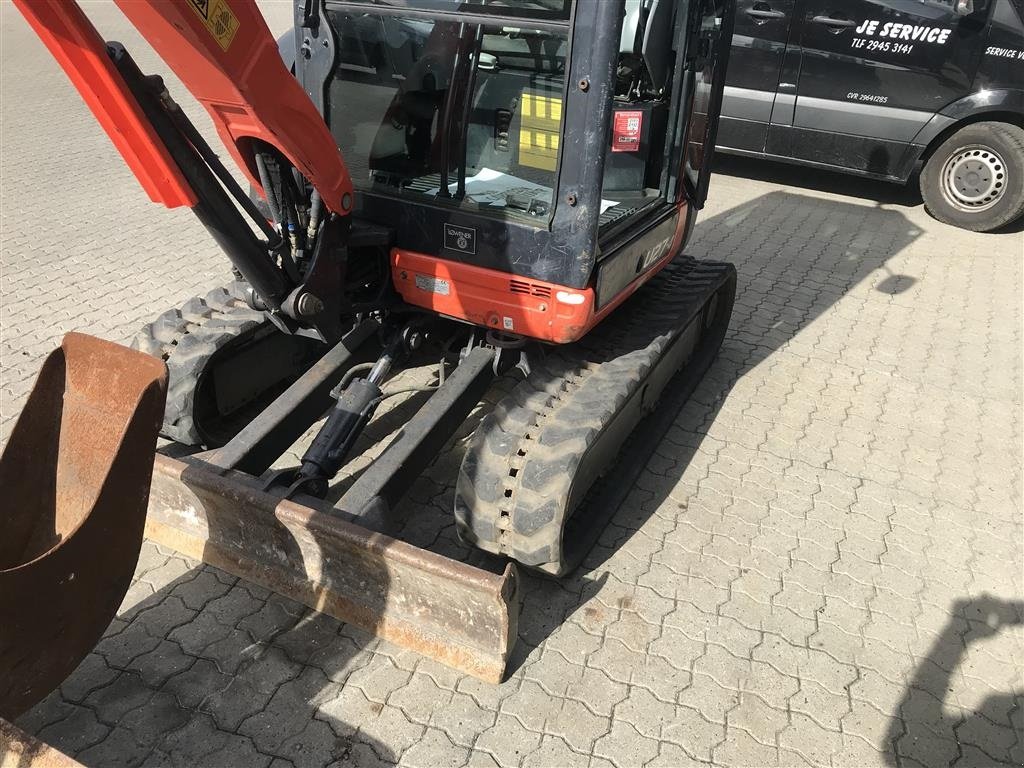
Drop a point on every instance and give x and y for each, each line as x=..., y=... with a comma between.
x=975, y=179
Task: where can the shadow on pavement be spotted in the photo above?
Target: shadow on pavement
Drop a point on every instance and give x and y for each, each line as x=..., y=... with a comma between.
x=209, y=670
x=923, y=727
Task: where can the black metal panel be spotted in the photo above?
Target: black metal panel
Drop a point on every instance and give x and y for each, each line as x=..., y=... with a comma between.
x=271, y=433
x=741, y=134
x=314, y=50
x=587, y=114
x=501, y=243
x=637, y=254
x=859, y=154
x=384, y=483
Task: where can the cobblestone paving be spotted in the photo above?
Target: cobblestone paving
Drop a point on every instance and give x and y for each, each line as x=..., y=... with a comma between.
x=821, y=564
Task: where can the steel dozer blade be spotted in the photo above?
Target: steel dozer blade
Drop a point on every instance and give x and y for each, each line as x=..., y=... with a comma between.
x=74, y=484
x=449, y=611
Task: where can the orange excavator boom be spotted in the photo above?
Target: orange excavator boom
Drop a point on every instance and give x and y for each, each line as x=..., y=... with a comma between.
x=226, y=56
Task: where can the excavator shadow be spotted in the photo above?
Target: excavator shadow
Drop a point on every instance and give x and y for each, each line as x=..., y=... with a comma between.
x=202, y=668
x=198, y=660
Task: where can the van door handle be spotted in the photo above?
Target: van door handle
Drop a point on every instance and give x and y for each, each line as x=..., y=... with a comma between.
x=837, y=24
x=765, y=14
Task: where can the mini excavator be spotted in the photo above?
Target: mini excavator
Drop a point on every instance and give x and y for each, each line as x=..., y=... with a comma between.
x=520, y=178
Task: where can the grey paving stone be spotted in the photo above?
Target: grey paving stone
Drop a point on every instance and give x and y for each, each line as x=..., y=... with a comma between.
x=237, y=752
x=288, y=712
x=268, y=669
x=554, y=751
x=434, y=750
x=160, y=715
x=91, y=674
x=379, y=680
x=692, y=731
x=200, y=590
x=125, y=693
x=419, y=698
x=508, y=740
x=196, y=684
x=196, y=635
x=233, y=704
x=316, y=745
x=624, y=746
x=233, y=651
x=577, y=726
x=165, y=577
x=164, y=661
x=388, y=729
x=236, y=603
x=52, y=709
x=131, y=642
x=76, y=731
x=462, y=719
x=531, y=706
x=119, y=747
x=276, y=615
x=361, y=755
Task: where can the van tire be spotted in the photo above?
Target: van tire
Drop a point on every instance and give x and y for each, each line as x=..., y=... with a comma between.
x=975, y=179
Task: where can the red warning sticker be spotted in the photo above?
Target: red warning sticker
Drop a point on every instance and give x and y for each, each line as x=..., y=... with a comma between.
x=626, y=130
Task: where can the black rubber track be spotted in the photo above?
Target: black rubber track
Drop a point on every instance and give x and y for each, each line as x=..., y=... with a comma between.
x=187, y=339
x=532, y=460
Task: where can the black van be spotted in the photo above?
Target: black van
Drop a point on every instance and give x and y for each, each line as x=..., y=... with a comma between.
x=881, y=88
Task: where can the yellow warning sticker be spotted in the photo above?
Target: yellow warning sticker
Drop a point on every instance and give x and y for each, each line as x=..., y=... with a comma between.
x=218, y=18
x=539, y=131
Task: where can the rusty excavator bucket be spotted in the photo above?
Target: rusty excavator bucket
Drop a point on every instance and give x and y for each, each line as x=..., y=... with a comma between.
x=74, y=486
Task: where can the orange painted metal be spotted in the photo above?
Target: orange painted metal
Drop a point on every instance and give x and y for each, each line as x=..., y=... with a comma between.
x=225, y=55
x=76, y=45
x=490, y=298
x=74, y=487
x=509, y=303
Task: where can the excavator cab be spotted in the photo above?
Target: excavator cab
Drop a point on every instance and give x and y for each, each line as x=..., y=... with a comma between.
x=559, y=144
x=503, y=186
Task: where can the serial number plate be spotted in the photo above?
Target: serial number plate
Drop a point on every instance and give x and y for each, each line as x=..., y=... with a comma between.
x=433, y=285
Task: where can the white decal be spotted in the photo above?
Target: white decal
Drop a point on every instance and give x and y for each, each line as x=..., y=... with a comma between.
x=871, y=98
x=909, y=32
x=433, y=285
x=1004, y=53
